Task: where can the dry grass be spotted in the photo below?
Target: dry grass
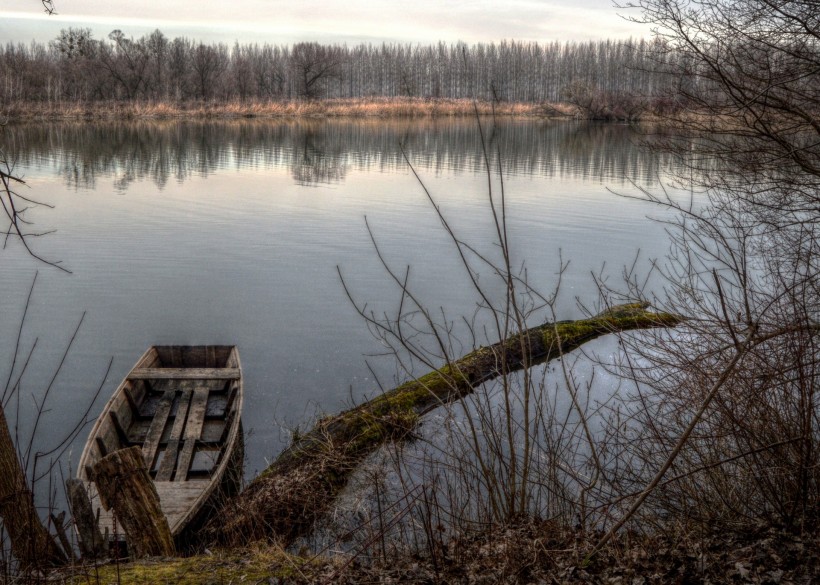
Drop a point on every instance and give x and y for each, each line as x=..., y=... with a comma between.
x=356, y=108
x=527, y=551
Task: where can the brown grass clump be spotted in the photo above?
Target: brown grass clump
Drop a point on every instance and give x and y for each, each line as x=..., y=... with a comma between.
x=532, y=551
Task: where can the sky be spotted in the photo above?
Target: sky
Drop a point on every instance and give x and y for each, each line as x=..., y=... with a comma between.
x=327, y=21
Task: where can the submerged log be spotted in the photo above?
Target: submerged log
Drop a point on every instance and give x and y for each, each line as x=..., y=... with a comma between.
x=124, y=485
x=301, y=484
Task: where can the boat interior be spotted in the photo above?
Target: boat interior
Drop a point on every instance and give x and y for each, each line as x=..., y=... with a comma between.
x=178, y=404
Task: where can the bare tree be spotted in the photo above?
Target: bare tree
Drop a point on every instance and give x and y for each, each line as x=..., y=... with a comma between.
x=127, y=63
x=31, y=543
x=314, y=66
x=241, y=71
x=15, y=206
x=753, y=67
x=75, y=51
x=208, y=62
x=157, y=46
x=269, y=71
x=178, y=66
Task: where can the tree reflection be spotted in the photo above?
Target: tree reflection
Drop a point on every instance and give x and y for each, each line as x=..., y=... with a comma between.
x=317, y=161
x=324, y=151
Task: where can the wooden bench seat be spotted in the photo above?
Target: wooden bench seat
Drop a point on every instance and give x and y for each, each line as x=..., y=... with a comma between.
x=184, y=374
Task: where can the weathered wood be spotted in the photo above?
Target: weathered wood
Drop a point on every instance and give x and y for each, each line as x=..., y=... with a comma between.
x=184, y=374
x=192, y=432
x=154, y=436
x=132, y=404
x=177, y=500
x=101, y=446
x=170, y=412
x=121, y=434
x=92, y=543
x=124, y=486
x=169, y=459
x=302, y=483
x=59, y=526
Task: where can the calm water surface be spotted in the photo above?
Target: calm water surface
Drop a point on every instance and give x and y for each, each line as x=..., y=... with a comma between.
x=232, y=232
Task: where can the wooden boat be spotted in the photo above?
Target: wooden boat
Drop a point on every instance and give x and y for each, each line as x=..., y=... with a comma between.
x=182, y=406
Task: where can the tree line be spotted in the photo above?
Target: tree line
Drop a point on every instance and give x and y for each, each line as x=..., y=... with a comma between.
x=76, y=66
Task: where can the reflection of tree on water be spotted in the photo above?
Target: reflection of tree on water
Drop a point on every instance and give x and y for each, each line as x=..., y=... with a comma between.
x=318, y=162
x=324, y=151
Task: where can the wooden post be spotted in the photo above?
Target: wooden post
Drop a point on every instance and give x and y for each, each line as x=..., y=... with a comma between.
x=59, y=526
x=92, y=542
x=124, y=485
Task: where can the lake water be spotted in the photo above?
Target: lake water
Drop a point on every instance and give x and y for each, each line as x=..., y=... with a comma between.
x=235, y=233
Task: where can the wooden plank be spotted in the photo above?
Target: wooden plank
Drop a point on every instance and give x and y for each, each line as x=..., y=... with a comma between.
x=216, y=405
x=149, y=448
x=178, y=498
x=193, y=430
x=132, y=404
x=223, y=438
x=232, y=392
x=169, y=459
x=101, y=446
x=121, y=434
x=184, y=374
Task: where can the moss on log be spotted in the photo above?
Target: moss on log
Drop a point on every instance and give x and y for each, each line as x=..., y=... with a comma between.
x=302, y=483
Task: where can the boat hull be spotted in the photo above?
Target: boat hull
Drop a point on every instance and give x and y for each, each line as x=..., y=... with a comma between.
x=182, y=406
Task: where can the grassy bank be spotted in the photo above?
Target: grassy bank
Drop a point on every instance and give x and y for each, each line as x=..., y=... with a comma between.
x=357, y=108
x=261, y=564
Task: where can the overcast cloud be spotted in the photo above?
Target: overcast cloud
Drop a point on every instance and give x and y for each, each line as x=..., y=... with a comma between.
x=348, y=21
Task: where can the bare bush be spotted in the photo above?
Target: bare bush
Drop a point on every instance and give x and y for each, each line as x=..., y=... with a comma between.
x=722, y=428
x=593, y=104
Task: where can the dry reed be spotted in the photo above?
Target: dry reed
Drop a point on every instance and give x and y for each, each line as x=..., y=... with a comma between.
x=356, y=108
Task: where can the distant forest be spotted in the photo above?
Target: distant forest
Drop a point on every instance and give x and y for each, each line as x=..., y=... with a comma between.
x=78, y=67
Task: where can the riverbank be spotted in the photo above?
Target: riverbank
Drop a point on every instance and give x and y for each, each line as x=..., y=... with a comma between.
x=354, y=108
x=528, y=551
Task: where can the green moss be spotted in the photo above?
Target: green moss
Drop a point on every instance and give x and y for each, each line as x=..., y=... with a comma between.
x=620, y=318
x=220, y=568
x=410, y=395
x=368, y=430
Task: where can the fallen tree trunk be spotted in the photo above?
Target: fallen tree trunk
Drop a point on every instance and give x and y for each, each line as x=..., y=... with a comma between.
x=301, y=484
